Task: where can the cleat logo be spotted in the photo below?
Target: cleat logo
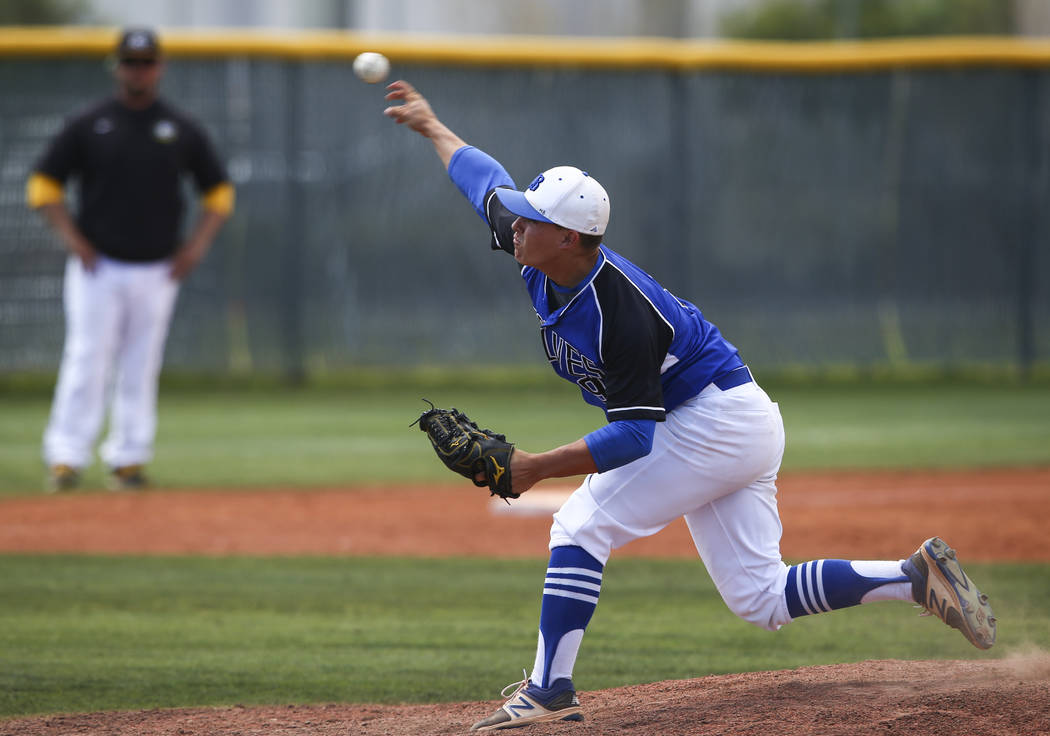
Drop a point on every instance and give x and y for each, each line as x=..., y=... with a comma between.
x=522, y=705
x=938, y=607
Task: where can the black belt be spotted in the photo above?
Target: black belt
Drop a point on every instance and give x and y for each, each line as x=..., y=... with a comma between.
x=736, y=377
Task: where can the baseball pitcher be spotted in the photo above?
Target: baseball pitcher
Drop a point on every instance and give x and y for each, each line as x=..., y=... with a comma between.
x=689, y=433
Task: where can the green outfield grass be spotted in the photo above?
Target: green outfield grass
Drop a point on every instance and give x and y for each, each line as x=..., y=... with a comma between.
x=80, y=633
x=84, y=633
x=330, y=436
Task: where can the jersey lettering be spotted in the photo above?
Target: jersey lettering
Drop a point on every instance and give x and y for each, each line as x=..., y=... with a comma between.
x=571, y=364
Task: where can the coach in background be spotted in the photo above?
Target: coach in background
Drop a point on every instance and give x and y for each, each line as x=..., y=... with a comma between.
x=128, y=154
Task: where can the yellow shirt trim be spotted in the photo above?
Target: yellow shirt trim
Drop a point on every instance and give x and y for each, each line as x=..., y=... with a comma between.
x=219, y=199
x=42, y=189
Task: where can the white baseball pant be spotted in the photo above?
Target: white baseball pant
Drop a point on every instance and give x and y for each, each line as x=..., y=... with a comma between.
x=117, y=320
x=714, y=461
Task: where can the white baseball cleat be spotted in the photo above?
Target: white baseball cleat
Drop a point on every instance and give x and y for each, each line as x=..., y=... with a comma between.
x=939, y=585
x=530, y=704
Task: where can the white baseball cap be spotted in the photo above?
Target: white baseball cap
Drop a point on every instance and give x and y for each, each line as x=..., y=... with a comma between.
x=564, y=196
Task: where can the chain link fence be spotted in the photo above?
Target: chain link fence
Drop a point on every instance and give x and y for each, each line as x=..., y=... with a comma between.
x=888, y=217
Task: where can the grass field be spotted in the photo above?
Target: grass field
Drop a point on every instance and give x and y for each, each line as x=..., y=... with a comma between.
x=210, y=438
x=81, y=633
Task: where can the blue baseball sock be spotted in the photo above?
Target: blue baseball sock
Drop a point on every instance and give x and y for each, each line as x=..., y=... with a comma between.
x=570, y=594
x=826, y=585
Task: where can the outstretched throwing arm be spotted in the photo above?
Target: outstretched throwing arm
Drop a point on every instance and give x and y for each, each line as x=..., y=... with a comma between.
x=415, y=112
x=525, y=468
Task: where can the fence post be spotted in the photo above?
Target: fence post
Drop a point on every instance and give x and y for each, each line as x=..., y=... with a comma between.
x=294, y=229
x=1037, y=232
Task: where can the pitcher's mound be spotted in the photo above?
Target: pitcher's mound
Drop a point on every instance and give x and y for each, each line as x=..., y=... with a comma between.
x=1008, y=697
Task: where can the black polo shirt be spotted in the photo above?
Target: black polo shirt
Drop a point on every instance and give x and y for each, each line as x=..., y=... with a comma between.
x=129, y=166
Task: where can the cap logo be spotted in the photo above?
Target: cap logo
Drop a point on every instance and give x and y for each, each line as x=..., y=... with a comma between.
x=536, y=183
x=138, y=41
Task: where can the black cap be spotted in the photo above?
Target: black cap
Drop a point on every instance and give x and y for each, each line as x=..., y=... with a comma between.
x=139, y=43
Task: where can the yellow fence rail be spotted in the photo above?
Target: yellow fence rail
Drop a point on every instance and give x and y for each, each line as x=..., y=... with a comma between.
x=550, y=51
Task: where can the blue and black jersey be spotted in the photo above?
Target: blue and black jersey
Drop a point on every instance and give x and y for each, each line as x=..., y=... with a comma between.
x=633, y=348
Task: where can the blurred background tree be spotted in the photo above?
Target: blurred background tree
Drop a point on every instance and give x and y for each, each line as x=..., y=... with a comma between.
x=798, y=20
x=41, y=12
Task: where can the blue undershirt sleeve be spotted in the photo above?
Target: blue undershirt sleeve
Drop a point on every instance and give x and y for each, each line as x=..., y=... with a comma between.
x=618, y=443
x=476, y=173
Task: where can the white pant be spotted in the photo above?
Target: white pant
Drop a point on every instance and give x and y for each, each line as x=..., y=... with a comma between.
x=117, y=320
x=715, y=462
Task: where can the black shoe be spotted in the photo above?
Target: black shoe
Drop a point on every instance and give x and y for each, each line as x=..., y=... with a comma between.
x=127, y=478
x=62, y=478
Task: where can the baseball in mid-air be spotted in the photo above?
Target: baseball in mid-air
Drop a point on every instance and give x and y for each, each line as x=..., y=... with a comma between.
x=371, y=67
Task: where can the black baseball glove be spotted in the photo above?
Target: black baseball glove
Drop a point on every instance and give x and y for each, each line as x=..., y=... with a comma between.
x=469, y=451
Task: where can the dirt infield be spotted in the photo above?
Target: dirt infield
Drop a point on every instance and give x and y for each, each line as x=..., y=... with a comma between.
x=987, y=515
